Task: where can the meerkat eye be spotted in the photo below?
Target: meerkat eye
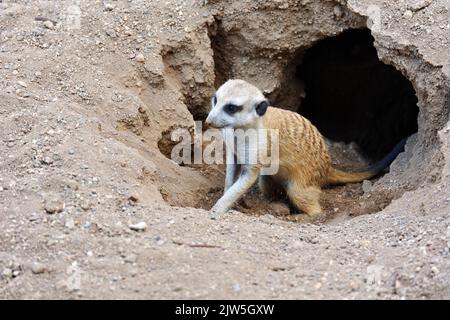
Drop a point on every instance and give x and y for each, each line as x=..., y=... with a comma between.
x=231, y=108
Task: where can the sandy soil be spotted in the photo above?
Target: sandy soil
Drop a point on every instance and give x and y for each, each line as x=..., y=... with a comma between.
x=85, y=112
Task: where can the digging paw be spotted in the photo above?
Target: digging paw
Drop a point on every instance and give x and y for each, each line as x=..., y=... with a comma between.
x=318, y=217
x=215, y=213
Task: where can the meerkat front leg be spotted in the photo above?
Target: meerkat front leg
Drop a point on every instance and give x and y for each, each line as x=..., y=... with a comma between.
x=248, y=176
x=230, y=177
x=231, y=163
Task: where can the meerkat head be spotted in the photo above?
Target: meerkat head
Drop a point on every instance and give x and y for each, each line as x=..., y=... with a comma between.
x=237, y=104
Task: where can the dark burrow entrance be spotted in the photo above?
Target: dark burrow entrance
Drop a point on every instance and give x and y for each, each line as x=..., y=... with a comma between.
x=351, y=96
x=361, y=105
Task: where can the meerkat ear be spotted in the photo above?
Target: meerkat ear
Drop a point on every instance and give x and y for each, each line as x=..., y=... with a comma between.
x=261, y=108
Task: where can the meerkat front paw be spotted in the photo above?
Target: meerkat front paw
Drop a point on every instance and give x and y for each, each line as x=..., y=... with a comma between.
x=215, y=213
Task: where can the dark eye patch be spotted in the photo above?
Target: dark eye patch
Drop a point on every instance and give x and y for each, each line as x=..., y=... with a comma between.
x=232, y=108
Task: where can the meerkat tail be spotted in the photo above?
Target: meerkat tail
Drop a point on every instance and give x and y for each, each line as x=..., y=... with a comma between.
x=336, y=176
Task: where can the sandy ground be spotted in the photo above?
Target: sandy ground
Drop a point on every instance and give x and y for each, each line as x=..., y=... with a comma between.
x=85, y=111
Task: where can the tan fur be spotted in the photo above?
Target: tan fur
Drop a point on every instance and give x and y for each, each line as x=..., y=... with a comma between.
x=304, y=160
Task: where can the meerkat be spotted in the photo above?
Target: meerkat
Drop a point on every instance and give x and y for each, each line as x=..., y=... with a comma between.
x=303, y=157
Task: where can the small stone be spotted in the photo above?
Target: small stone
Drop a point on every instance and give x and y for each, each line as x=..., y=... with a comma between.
x=408, y=14
x=236, y=288
x=7, y=273
x=109, y=7
x=133, y=198
x=47, y=160
x=367, y=186
x=131, y=258
x=85, y=204
x=435, y=270
x=54, y=204
x=141, y=226
x=22, y=83
x=140, y=58
x=338, y=12
x=417, y=5
x=111, y=33
x=49, y=25
x=38, y=268
x=70, y=224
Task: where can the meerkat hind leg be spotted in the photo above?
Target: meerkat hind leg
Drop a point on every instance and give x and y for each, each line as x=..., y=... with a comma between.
x=247, y=178
x=305, y=198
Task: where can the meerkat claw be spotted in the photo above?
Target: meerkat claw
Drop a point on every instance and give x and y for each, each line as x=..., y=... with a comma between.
x=214, y=215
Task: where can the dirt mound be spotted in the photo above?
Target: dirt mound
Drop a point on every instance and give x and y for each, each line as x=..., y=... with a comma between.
x=91, y=91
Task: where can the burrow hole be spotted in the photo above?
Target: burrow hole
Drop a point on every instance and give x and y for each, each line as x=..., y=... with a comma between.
x=351, y=96
x=361, y=105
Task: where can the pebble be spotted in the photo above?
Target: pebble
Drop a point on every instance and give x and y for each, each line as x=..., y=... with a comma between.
x=7, y=273
x=109, y=7
x=38, y=268
x=54, y=204
x=236, y=288
x=131, y=258
x=49, y=25
x=408, y=14
x=338, y=12
x=70, y=224
x=140, y=58
x=367, y=186
x=47, y=160
x=111, y=33
x=140, y=226
x=22, y=83
x=416, y=5
x=85, y=205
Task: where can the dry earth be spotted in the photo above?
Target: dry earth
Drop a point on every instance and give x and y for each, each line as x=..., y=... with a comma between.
x=86, y=113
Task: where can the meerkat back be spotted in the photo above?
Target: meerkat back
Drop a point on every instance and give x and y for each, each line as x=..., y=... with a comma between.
x=302, y=150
